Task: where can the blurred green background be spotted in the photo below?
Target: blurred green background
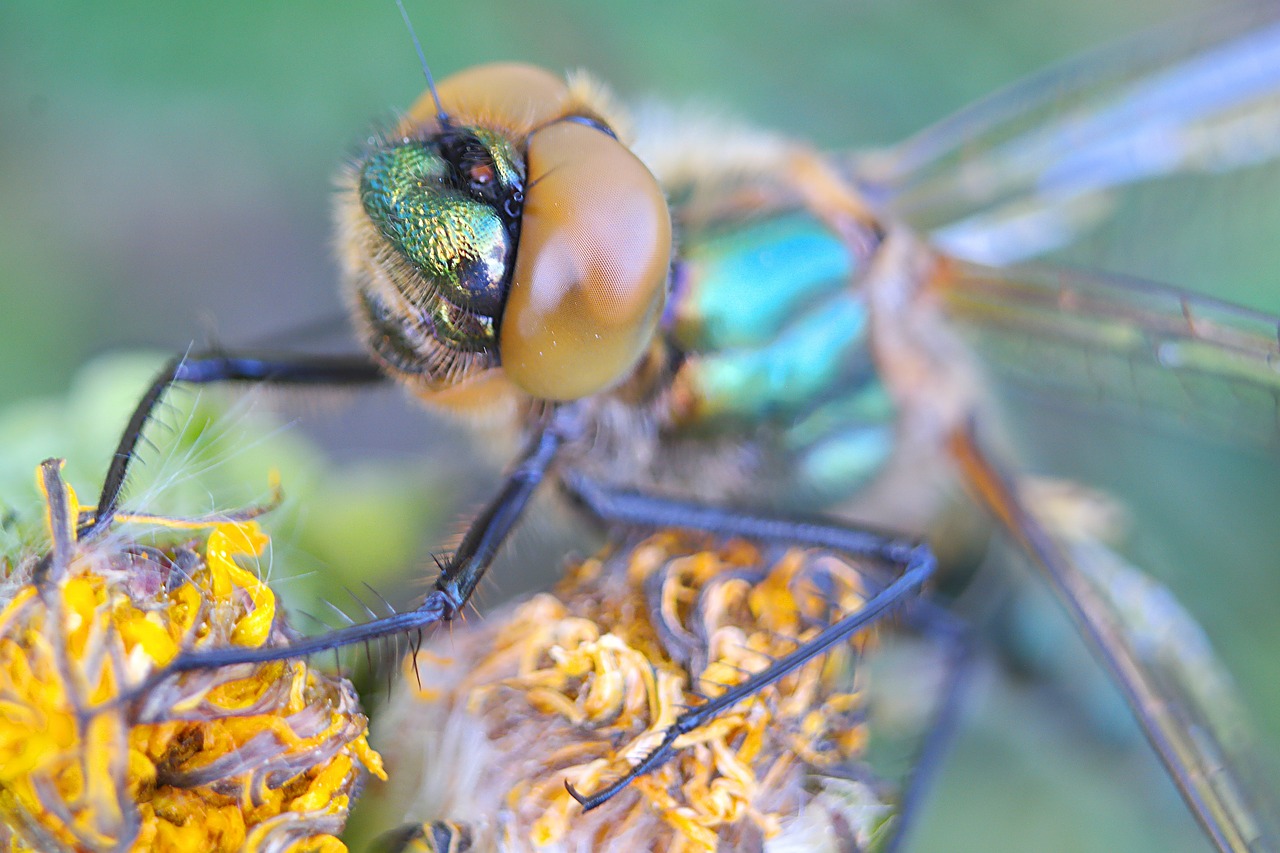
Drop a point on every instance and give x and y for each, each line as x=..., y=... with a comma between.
x=166, y=172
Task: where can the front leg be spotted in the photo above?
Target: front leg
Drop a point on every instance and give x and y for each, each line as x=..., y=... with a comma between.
x=462, y=572
x=209, y=368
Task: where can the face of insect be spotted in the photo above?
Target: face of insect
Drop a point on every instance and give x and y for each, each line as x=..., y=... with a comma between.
x=481, y=244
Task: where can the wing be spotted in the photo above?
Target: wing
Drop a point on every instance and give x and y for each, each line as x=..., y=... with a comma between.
x=1057, y=348
x=1027, y=170
x=1158, y=656
x=1136, y=348
x=1135, y=141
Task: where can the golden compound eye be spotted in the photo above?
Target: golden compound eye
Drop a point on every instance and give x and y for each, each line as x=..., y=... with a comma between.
x=511, y=95
x=591, y=267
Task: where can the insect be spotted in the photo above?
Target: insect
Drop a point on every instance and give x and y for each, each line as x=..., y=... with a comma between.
x=869, y=239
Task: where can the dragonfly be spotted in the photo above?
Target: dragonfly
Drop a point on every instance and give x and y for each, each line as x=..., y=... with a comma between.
x=859, y=210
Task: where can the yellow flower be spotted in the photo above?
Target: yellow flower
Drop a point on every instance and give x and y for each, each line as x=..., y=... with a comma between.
x=262, y=756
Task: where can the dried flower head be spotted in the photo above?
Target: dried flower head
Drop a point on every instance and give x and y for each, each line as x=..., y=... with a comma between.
x=260, y=758
x=578, y=686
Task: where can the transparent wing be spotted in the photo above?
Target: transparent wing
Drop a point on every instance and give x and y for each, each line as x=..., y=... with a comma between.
x=1129, y=346
x=1157, y=653
x=1065, y=353
x=1163, y=146
x=1027, y=170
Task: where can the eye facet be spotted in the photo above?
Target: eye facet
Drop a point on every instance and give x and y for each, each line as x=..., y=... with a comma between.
x=591, y=266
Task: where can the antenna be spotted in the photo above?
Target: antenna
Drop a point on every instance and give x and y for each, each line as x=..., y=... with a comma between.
x=426, y=70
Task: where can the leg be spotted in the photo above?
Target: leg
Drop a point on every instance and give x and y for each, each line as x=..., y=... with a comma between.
x=458, y=580
x=630, y=508
x=916, y=562
x=668, y=610
x=950, y=634
x=466, y=567
x=217, y=367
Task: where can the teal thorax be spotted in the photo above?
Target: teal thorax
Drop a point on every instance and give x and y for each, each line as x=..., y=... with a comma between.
x=774, y=337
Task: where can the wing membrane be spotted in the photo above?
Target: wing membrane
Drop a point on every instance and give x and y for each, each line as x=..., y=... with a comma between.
x=1124, y=344
x=1022, y=173
x=1159, y=658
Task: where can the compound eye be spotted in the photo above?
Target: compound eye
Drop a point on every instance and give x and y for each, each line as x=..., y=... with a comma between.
x=591, y=265
x=512, y=95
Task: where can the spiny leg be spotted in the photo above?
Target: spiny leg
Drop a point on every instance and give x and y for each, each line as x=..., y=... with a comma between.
x=617, y=507
x=460, y=575
x=486, y=533
x=205, y=369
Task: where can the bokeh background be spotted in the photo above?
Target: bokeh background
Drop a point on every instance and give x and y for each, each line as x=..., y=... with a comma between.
x=165, y=178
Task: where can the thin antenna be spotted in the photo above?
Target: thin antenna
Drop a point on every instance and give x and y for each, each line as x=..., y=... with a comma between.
x=426, y=70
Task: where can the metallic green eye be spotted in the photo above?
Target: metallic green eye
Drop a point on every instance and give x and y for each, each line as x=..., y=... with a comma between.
x=428, y=221
x=460, y=246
